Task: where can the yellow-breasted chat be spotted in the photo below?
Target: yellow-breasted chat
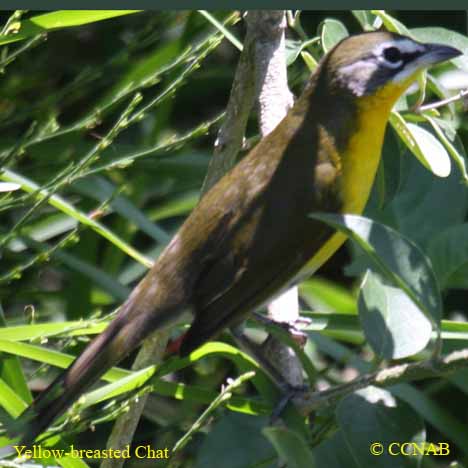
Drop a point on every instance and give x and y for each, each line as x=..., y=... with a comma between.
x=252, y=235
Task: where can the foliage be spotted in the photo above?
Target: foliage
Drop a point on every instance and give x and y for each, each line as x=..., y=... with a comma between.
x=107, y=128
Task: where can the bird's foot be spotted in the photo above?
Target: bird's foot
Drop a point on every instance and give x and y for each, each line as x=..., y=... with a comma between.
x=289, y=393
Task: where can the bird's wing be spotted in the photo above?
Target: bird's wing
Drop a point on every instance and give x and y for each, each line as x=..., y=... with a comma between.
x=249, y=287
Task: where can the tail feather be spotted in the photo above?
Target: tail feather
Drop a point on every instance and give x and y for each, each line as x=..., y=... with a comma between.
x=123, y=335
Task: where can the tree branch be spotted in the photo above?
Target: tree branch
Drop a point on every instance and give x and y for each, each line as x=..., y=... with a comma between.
x=231, y=133
x=409, y=372
x=274, y=100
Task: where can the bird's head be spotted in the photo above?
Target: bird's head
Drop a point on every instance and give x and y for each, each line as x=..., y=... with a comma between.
x=380, y=64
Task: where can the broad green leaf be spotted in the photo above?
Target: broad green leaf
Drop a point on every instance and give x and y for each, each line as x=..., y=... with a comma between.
x=391, y=23
x=458, y=158
x=446, y=423
x=449, y=254
x=294, y=48
x=309, y=61
x=334, y=452
x=290, y=446
x=349, y=329
x=435, y=414
x=239, y=434
x=373, y=415
x=393, y=325
x=366, y=19
x=419, y=208
x=423, y=145
x=331, y=32
x=398, y=260
x=388, y=177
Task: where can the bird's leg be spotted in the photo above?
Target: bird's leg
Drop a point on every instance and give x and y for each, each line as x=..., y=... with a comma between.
x=293, y=328
x=260, y=353
x=257, y=352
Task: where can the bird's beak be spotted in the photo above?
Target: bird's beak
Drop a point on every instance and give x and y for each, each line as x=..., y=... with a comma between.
x=437, y=53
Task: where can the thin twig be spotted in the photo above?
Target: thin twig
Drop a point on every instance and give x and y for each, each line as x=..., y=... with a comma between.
x=223, y=396
x=443, y=102
x=430, y=368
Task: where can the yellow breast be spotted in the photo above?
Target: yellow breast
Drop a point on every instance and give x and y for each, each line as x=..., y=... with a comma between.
x=359, y=164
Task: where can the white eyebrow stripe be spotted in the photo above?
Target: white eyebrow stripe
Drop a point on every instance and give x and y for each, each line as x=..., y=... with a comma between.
x=406, y=46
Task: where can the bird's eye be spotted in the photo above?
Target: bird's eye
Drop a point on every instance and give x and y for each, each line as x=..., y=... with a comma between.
x=392, y=54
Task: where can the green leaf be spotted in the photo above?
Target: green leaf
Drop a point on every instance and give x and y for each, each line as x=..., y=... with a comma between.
x=449, y=254
x=172, y=389
x=435, y=414
x=374, y=416
x=325, y=295
x=294, y=48
x=399, y=260
x=348, y=327
x=44, y=229
x=391, y=23
x=58, y=202
x=290, y=446
x=239, y=434
x=365, y=18
x=222, y=29
x=420, y=207
x=10, y=400
x=99, y=277
x=423, y=145
x=393, y=325
x=102, y=190
x=335, y=453
x=40, y=331
x=388, y=177
x=309, y=61
x=331, y=32
x=458, y=158
x=11, y=371
x=6, y=187
x=60, y=19
x=126, y=384
x=72, y=462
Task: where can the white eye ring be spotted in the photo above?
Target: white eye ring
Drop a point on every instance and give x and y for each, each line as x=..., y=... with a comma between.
x=379, y=53
x=389, y=64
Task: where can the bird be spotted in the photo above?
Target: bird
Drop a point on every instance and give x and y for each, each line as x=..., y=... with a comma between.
x=251, y=235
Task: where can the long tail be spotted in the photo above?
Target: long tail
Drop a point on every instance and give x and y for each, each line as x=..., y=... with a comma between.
x=135, y=321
